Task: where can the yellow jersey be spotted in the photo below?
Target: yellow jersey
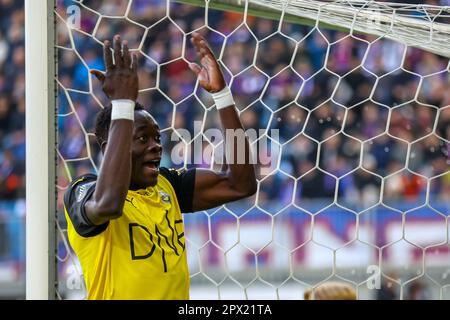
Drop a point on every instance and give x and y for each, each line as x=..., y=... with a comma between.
x=140, y=255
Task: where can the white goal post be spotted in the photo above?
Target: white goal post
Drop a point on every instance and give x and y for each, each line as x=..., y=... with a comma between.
x=40, y=150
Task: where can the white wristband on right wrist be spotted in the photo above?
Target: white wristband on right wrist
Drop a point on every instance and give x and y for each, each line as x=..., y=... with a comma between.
x=223, y=98
x=122, y=109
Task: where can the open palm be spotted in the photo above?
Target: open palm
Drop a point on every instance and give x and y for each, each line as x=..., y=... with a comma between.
x=209, y=75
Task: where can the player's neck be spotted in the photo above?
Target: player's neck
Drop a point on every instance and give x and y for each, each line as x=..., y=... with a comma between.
x=134, y=187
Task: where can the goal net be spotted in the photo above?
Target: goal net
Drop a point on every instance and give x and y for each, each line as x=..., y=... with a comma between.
x=348, y=102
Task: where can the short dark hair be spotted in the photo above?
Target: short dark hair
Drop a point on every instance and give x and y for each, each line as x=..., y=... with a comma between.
x=103, y=121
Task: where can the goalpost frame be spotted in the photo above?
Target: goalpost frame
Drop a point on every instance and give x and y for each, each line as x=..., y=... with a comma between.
x=40, y=71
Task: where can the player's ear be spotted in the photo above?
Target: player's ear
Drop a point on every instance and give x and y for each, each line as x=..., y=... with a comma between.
x=103, y=147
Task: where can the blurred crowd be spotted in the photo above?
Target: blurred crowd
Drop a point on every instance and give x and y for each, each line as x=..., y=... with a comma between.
x=12, y=100
x=381, y=97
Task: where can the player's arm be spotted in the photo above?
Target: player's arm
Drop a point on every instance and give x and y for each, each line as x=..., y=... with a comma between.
x=119, y=83
x=216, y=188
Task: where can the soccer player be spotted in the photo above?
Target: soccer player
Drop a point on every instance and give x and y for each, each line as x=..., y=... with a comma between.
x=125, y=225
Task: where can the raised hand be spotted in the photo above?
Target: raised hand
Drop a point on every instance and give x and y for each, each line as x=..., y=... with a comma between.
x=120, y=80
x=209, y=75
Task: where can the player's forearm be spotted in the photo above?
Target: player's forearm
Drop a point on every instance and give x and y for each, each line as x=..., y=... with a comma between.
x=241, y=171
x=115, y=173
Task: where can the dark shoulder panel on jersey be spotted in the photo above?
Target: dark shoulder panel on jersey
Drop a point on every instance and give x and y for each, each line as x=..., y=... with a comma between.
x=183, y=182
x=80, y=191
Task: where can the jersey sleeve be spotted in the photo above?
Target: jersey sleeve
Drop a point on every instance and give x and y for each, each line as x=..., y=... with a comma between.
x=79, y=192
x=183, y=182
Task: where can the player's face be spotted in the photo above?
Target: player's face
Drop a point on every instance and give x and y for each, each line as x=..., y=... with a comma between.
x=146, y=151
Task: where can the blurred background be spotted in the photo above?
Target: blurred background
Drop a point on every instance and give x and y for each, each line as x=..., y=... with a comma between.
x=359, y=176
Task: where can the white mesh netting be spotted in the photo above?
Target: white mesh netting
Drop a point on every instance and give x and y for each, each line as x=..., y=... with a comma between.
x=355, y=183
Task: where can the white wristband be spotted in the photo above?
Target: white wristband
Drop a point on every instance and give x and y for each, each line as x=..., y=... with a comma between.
x=223, y=98
x=122, y=109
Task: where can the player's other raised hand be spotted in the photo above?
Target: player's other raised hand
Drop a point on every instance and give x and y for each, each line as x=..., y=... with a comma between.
x=120, y=80
x=209, y=75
